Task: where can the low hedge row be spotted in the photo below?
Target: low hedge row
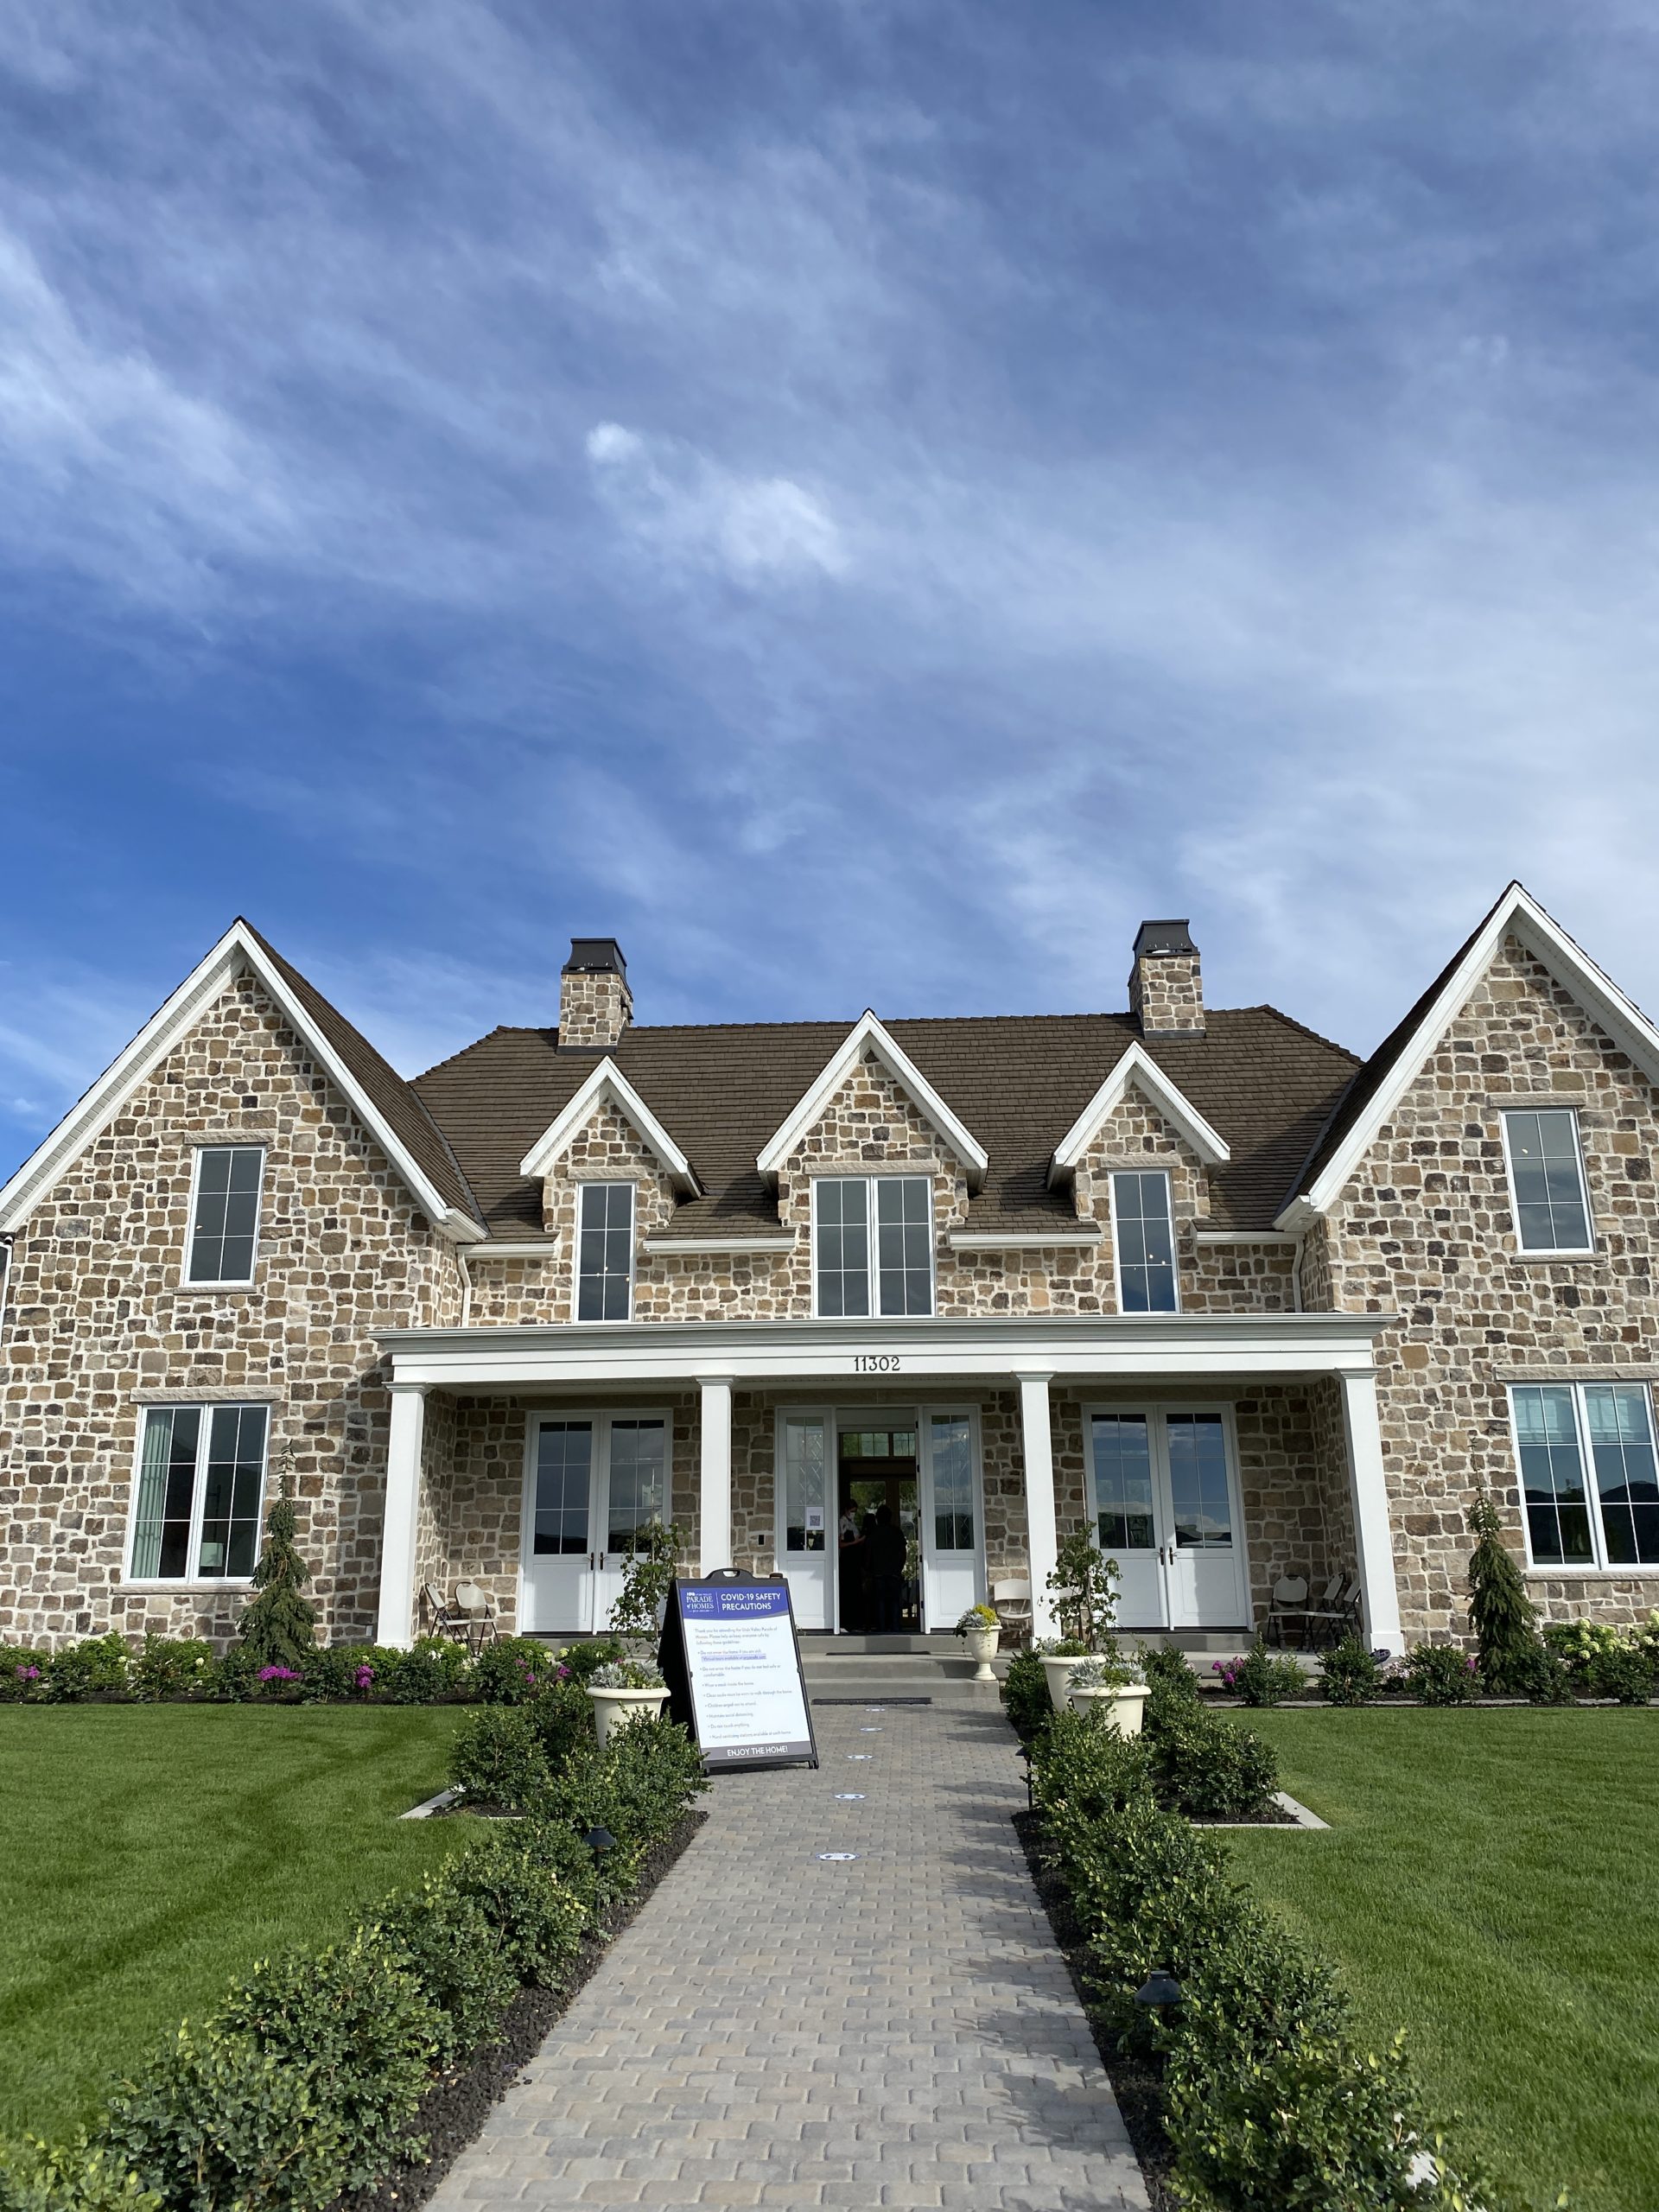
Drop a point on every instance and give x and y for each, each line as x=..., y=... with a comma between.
x=437, y=1671
x=1270, y=2098
x=306, y=2078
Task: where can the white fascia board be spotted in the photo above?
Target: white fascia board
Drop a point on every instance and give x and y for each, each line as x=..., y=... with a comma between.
x=236, y=950
x=607, y=1081
x=868, y=1031
x=1022, y=1240
x=670, y=1246
x=1243, y=1237
x=1519, y=914
x=1137, y=1066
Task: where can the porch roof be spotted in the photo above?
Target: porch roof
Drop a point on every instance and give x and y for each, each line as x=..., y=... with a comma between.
x=1208, y=1345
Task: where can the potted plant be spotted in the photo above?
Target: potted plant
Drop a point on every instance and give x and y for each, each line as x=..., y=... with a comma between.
x=624, y=1690
x=1084, y=1583
x=1112, y=1688
x=981, y=1631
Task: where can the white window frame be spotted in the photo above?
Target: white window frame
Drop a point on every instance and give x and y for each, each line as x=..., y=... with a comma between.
x=194, y=1579
x=608, y=1183
x=1548, y=1251
x=1598, y=1565
x=222, y=1282
x=870, y=1177
x=1156, y=1413
x=1127, y=1167
x=600, y=1419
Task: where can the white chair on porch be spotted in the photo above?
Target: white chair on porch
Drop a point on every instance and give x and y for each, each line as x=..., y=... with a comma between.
x=1289, y=1603
x=475, y=1610
x=1012, y=1601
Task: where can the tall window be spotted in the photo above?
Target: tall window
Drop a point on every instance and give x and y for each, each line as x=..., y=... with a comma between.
x=1144, y=1236
x=201, y=1475
x=224, y=1213
x=1552, y=1206
x=900, y=1209
x=605, y=1252
x=1587, y=1473
x=637, y=1493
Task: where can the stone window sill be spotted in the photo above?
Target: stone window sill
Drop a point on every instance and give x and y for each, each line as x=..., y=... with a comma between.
x=1649, y=1571
x=220, y=1585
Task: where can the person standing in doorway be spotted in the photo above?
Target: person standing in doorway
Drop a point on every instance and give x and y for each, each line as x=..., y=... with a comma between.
x=884, y=1554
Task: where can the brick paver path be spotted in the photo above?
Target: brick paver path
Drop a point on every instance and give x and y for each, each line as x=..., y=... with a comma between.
x=777, y=2028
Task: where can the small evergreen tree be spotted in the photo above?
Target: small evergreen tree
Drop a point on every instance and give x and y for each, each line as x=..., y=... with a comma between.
x=279, y=1627
x=1502, y=1616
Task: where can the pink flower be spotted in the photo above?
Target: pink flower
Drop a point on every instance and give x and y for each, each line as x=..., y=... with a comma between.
x=364, y=1675
x=278, y=1674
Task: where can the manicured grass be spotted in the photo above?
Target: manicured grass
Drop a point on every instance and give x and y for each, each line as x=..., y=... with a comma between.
x=1491, y=1885
x=149, y=1854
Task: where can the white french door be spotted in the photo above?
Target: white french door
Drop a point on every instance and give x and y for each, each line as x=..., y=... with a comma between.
x=592, y=1481
x=804, y=1512
x=953, y=1573
x=1163, y=1502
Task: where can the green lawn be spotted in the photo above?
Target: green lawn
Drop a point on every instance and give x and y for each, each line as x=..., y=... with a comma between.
x=1491, y=1885
x=150, y=1853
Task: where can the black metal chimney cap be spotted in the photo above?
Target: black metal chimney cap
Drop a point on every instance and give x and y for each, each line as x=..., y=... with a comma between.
x=592, y=955
x=1163, y=936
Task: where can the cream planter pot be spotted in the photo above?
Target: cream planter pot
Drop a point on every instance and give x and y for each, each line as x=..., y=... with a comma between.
x=615, y=1708
x=1125, y=1708
x=1059, y=1672
x=981, y=1645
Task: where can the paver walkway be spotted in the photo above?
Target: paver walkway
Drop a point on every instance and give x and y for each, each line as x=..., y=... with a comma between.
x=779, y=2028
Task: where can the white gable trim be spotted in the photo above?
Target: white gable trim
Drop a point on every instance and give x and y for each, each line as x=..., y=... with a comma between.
x=1137, y=1066
x=608, y=1082
x=1517, y=915
x=238, y=951
x=866, y=1033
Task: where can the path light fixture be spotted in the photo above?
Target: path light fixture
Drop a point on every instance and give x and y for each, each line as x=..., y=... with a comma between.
x=1024, y=1752
x=1160, y=1993
x=599, y=1841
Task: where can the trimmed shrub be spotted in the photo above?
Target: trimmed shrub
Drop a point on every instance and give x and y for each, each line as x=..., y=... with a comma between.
x=98, y=1666
x=496, y=1757
x=1169, y=1675
x=1025, y=1693
x=580, y=1662
x=1351, y=1674
x=1441, y=1674
x=81, y=2176
x=1205, y=1766
x=448, y=1943
x=343, y=1671
x=1624, y=1673
x=173, y=1666
x=563, y=1718
x=538, y=1923
x=513, y=1669
x=1539, y=1677
x=1259, y=1679
x=433, y=1670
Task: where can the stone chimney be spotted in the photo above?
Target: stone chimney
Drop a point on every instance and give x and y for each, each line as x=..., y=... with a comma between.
x=595, y=1005
x=1165, y=990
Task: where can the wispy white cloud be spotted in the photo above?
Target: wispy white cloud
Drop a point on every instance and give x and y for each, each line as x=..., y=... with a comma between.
x=687, y=507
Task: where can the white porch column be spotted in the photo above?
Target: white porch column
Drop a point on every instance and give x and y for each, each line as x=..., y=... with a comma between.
x=1368, y=1486
x=1042, y=1541
x=403, y=1506
x=716, y=1547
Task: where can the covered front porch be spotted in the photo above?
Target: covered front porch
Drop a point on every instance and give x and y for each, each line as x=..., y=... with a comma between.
x=895, y=1473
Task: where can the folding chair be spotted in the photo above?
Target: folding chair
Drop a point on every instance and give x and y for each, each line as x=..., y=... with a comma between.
x=1011, y=1601
x=1289, y=1602
x=478, y=1615
x=1329, y=1617
x=444, y=1619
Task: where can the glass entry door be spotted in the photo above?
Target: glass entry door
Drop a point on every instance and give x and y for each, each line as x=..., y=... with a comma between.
x=592, y=1482
x=1163, y=1500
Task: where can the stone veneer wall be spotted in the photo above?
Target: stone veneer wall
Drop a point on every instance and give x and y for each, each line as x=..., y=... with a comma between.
x=1424, y=1228
x=1167, y=991
x=595, y=1006
x=98, y=1323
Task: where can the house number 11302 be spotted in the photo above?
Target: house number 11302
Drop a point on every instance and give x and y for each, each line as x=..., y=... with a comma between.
x=876, y=1362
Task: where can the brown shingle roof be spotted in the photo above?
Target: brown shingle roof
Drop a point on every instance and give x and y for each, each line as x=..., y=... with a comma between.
x=1264, y=1083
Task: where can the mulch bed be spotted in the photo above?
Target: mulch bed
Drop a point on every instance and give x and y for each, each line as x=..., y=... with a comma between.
x=1137, y=2083
x=456, y=2108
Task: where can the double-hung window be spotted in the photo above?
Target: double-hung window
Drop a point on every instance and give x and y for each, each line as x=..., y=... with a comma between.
x=1143, y=1235
x=224, y=1214
x=1552, y=1204
x=605, y=1252
x=201, y=1477
x=1587, y=1473
x=872, y=1244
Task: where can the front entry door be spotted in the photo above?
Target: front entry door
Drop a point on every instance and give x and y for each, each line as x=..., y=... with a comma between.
x=1164, y=1501
x=593, y=1481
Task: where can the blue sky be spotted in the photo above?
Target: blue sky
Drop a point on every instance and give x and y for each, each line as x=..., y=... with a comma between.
x=865, y=502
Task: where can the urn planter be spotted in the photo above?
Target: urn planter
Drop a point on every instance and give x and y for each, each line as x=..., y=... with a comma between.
x=614, y=1709
x=1059, y=1672
x=981, y=1644
x=1125, y=1705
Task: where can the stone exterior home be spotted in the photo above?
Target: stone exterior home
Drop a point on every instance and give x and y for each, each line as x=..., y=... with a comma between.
x=1197, y=1279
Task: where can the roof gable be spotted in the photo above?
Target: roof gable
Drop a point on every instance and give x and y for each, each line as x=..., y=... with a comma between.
x=607, y=1085
x=1380, y=1086
x=866, y=1034
x=1139, y=1069
x=385, y=1105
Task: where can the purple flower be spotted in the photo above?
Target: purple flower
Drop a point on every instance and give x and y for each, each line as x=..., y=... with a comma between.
x=364, y=1675
x=278, y=1674
x=27, y=1674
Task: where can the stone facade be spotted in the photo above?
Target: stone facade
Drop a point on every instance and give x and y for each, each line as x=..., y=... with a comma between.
x=595, y=1006
x=1166, y=993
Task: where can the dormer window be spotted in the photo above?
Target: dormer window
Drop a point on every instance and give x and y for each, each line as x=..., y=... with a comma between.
x=224, y=1214
x=605, y=1252
x=1552, y=1204
x=872, y=1245
x=1143, y=1236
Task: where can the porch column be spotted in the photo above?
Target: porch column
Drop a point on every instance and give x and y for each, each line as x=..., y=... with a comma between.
x=1368, y=1486
x=715, y=1517
x=1042, y=1540
x=396, y=1627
